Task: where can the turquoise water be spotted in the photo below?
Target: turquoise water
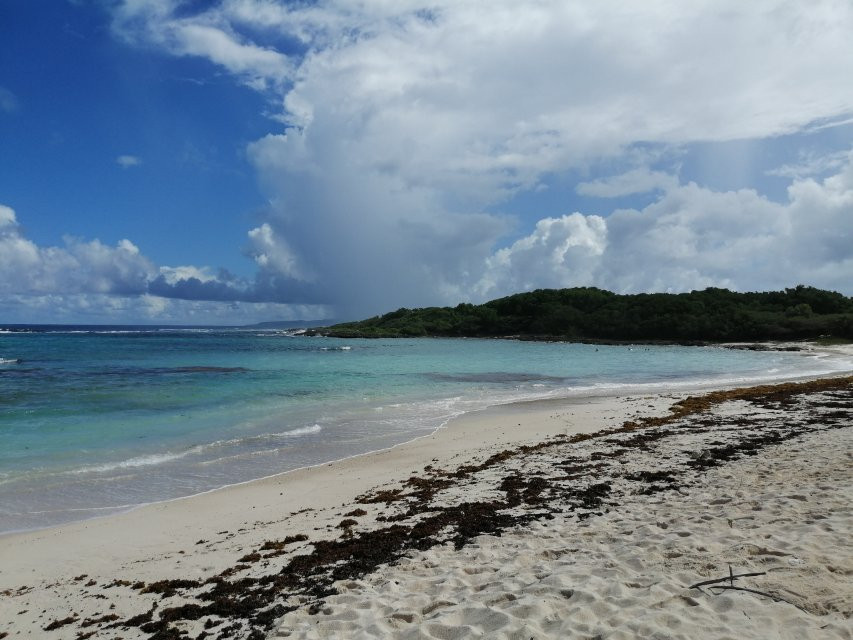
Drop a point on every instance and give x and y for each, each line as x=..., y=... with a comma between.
x=94, y=421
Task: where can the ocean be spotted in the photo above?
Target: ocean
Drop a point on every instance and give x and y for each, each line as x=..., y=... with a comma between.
x=97, y=420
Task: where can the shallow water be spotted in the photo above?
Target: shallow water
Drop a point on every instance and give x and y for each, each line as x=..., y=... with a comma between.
x=96, y=420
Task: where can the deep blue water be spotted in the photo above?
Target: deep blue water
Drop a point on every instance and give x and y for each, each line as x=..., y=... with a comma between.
x=97, y=419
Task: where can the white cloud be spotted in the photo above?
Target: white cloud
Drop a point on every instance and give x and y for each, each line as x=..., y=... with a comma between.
x=639, y=180
x=406, y=120
x=258, y=64
x=127, y=161
x=8, y=221
x=561, y=252
x=78, y=267
x=692, y=238
x=272, y=253
x=8, y=101
x=829, y=123
x=173, y=275
x=60, y=308
x=811, y=164
x=207, y=35
x=88, y=281
x=530, y=86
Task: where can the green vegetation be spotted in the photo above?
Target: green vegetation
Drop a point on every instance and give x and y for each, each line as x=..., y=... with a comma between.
x=831, y=341
x=586, y=313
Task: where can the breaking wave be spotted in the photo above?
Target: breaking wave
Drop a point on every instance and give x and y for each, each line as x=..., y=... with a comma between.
x=168, y=456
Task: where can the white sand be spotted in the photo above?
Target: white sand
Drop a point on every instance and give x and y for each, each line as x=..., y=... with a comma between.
x=627, y=572
x=786, y=512
x=157, y=542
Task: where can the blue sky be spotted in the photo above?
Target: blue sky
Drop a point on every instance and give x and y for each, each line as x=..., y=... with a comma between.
x=86, y=99
x=250, y=160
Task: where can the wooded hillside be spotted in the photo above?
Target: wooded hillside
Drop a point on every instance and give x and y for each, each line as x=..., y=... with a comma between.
x=587, y=313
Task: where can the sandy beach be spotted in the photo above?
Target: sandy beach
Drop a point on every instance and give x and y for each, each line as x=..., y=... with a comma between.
x=447, y=320
x=584, y=517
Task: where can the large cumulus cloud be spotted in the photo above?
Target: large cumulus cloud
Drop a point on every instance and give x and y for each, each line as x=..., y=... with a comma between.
x=400, y=129
x=411, y=121
x=690, y=238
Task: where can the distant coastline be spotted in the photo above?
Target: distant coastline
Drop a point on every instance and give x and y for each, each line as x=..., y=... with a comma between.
x=594, y=316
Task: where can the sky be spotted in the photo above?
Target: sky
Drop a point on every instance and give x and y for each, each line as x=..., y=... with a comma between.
x=239, y=161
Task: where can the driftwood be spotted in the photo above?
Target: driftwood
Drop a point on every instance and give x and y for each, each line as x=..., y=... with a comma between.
x=715, y=584
x=731, y=577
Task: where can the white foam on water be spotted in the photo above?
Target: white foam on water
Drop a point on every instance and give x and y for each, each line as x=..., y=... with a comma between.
x=168, y=456
x=138, y=461
x=301, y=431
x=382, y=418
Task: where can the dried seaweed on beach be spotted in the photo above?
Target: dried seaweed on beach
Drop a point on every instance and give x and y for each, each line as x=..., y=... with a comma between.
x=56, y=624
x=577, y=476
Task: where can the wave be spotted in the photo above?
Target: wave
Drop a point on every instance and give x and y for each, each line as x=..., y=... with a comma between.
x=301, y=431
x=138, y=461
x=690, y=384
x=344, y=348
x=169, y=456
x=497, y=377
x=143, y=371
x=109, y=330
x=277, y=333
x=10, y=361
x=90, y=331
x=202, y=369
x=263, y=437
x=73, y=510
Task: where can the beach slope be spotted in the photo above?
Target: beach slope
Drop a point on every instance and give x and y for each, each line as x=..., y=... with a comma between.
x=573, y=518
